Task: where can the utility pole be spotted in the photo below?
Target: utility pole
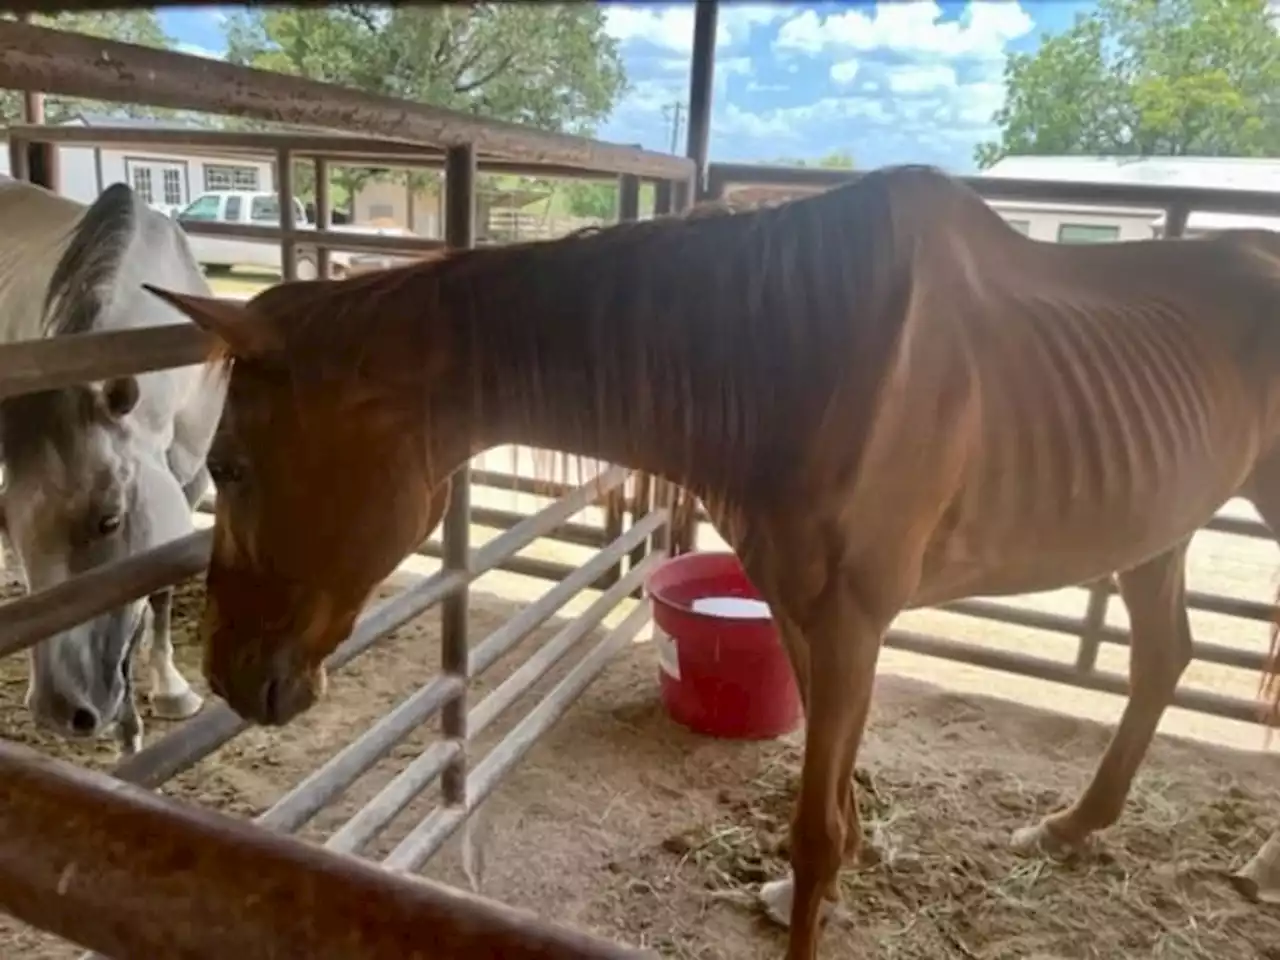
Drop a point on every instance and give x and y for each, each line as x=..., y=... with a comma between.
x=674, y=113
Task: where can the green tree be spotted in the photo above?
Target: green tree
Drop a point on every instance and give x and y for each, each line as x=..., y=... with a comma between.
x=131, y=26
x=551, y=66
x=1147, y=78
x=586, y=198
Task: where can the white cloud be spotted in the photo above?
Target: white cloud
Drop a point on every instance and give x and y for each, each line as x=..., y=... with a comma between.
x=912, y=28
x=733, y=121
x=924, y=78
x=843, y=71
x=671, y=27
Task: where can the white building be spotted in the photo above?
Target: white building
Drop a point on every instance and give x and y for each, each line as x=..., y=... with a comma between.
x=1071, y=223
x=165, y=180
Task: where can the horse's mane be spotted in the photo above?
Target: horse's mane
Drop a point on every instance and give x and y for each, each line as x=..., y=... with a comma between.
x=82, y=280
x=732, y=330
x=77, y=296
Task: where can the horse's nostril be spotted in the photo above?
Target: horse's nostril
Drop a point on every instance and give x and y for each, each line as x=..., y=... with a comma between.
x=83, y=720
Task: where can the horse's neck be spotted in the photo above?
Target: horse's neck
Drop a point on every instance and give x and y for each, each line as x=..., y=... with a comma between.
x=37, y=228
x=668, y=355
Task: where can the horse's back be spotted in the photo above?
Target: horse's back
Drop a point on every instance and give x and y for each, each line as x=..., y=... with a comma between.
x=1126, y=391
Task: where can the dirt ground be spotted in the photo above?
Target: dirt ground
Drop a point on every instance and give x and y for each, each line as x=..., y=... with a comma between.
x=626, y=824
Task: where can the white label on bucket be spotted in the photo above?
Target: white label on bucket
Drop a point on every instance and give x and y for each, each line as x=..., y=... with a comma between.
x=668, y=656
x=732, y=608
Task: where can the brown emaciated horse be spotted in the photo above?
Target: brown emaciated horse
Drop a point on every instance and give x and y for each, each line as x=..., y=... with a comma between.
x=886, y=397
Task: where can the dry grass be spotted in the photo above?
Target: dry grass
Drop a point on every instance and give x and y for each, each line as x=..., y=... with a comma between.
x=940, y=879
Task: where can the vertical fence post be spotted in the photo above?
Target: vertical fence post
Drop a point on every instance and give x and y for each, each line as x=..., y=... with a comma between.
x=288, y=226
x=323, y=215
x=1175, y=220
x=701, y=83
x=19, y=167
x=39, y=163
x=459, y=233
x=1095, y=622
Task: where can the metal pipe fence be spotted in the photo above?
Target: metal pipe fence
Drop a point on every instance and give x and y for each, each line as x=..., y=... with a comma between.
x=187, y=873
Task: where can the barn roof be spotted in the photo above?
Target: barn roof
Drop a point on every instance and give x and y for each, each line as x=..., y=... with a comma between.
x=1239, y=173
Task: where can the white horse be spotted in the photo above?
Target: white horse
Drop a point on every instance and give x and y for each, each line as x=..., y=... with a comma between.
x=99, y=472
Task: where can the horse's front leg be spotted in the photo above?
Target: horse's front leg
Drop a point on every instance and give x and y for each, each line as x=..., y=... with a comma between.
x=129, y=725
x=171, y=696
x=1259, y=879
x=843, y=642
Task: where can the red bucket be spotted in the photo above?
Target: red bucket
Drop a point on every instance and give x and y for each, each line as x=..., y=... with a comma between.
x=722, y=669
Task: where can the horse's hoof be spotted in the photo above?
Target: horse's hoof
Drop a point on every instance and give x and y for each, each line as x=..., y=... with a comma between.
x=775, y=898
x=1039, y=840
x=131, y=745
x=177, y=706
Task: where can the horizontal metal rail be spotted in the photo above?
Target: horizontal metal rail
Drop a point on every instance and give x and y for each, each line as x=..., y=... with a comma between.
x=425, y=839
x=1237, y=526
x=30, y=619
x=1057, y=623
x=57, y=362
x=374, y=817
x=322, y=786
x=311, y=237
x=127, y=873
x=217, y=723
x=75, y=65
x=578, y=534
x=1040, y=668
x=309, y=144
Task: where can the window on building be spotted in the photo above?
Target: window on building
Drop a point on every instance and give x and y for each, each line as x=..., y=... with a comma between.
x=226, y=177
x=174, y=186
x=1087, y=233
x=1022, y=226
x=142, y=184
x=382, y=211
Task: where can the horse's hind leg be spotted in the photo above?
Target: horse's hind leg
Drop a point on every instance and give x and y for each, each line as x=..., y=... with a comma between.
x=1259, y=879
x=171, y=696
x=1160, y=649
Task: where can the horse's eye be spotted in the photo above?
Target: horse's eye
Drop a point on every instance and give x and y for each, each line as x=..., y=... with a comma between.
x=109, y=524
x=224, y=472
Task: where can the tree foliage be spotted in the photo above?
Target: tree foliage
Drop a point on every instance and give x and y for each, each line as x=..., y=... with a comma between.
x=551, y=66
x=131, y=26
x=1147, y=78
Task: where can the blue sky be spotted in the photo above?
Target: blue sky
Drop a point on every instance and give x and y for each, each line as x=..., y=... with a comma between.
x=889, y=82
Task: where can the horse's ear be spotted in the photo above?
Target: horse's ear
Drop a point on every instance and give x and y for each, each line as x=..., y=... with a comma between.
x=246, y=333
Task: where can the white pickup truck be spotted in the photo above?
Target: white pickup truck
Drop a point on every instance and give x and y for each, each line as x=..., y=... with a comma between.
x=248, y=207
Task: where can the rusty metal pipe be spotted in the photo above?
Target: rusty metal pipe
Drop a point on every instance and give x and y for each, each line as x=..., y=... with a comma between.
x=122, y=871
